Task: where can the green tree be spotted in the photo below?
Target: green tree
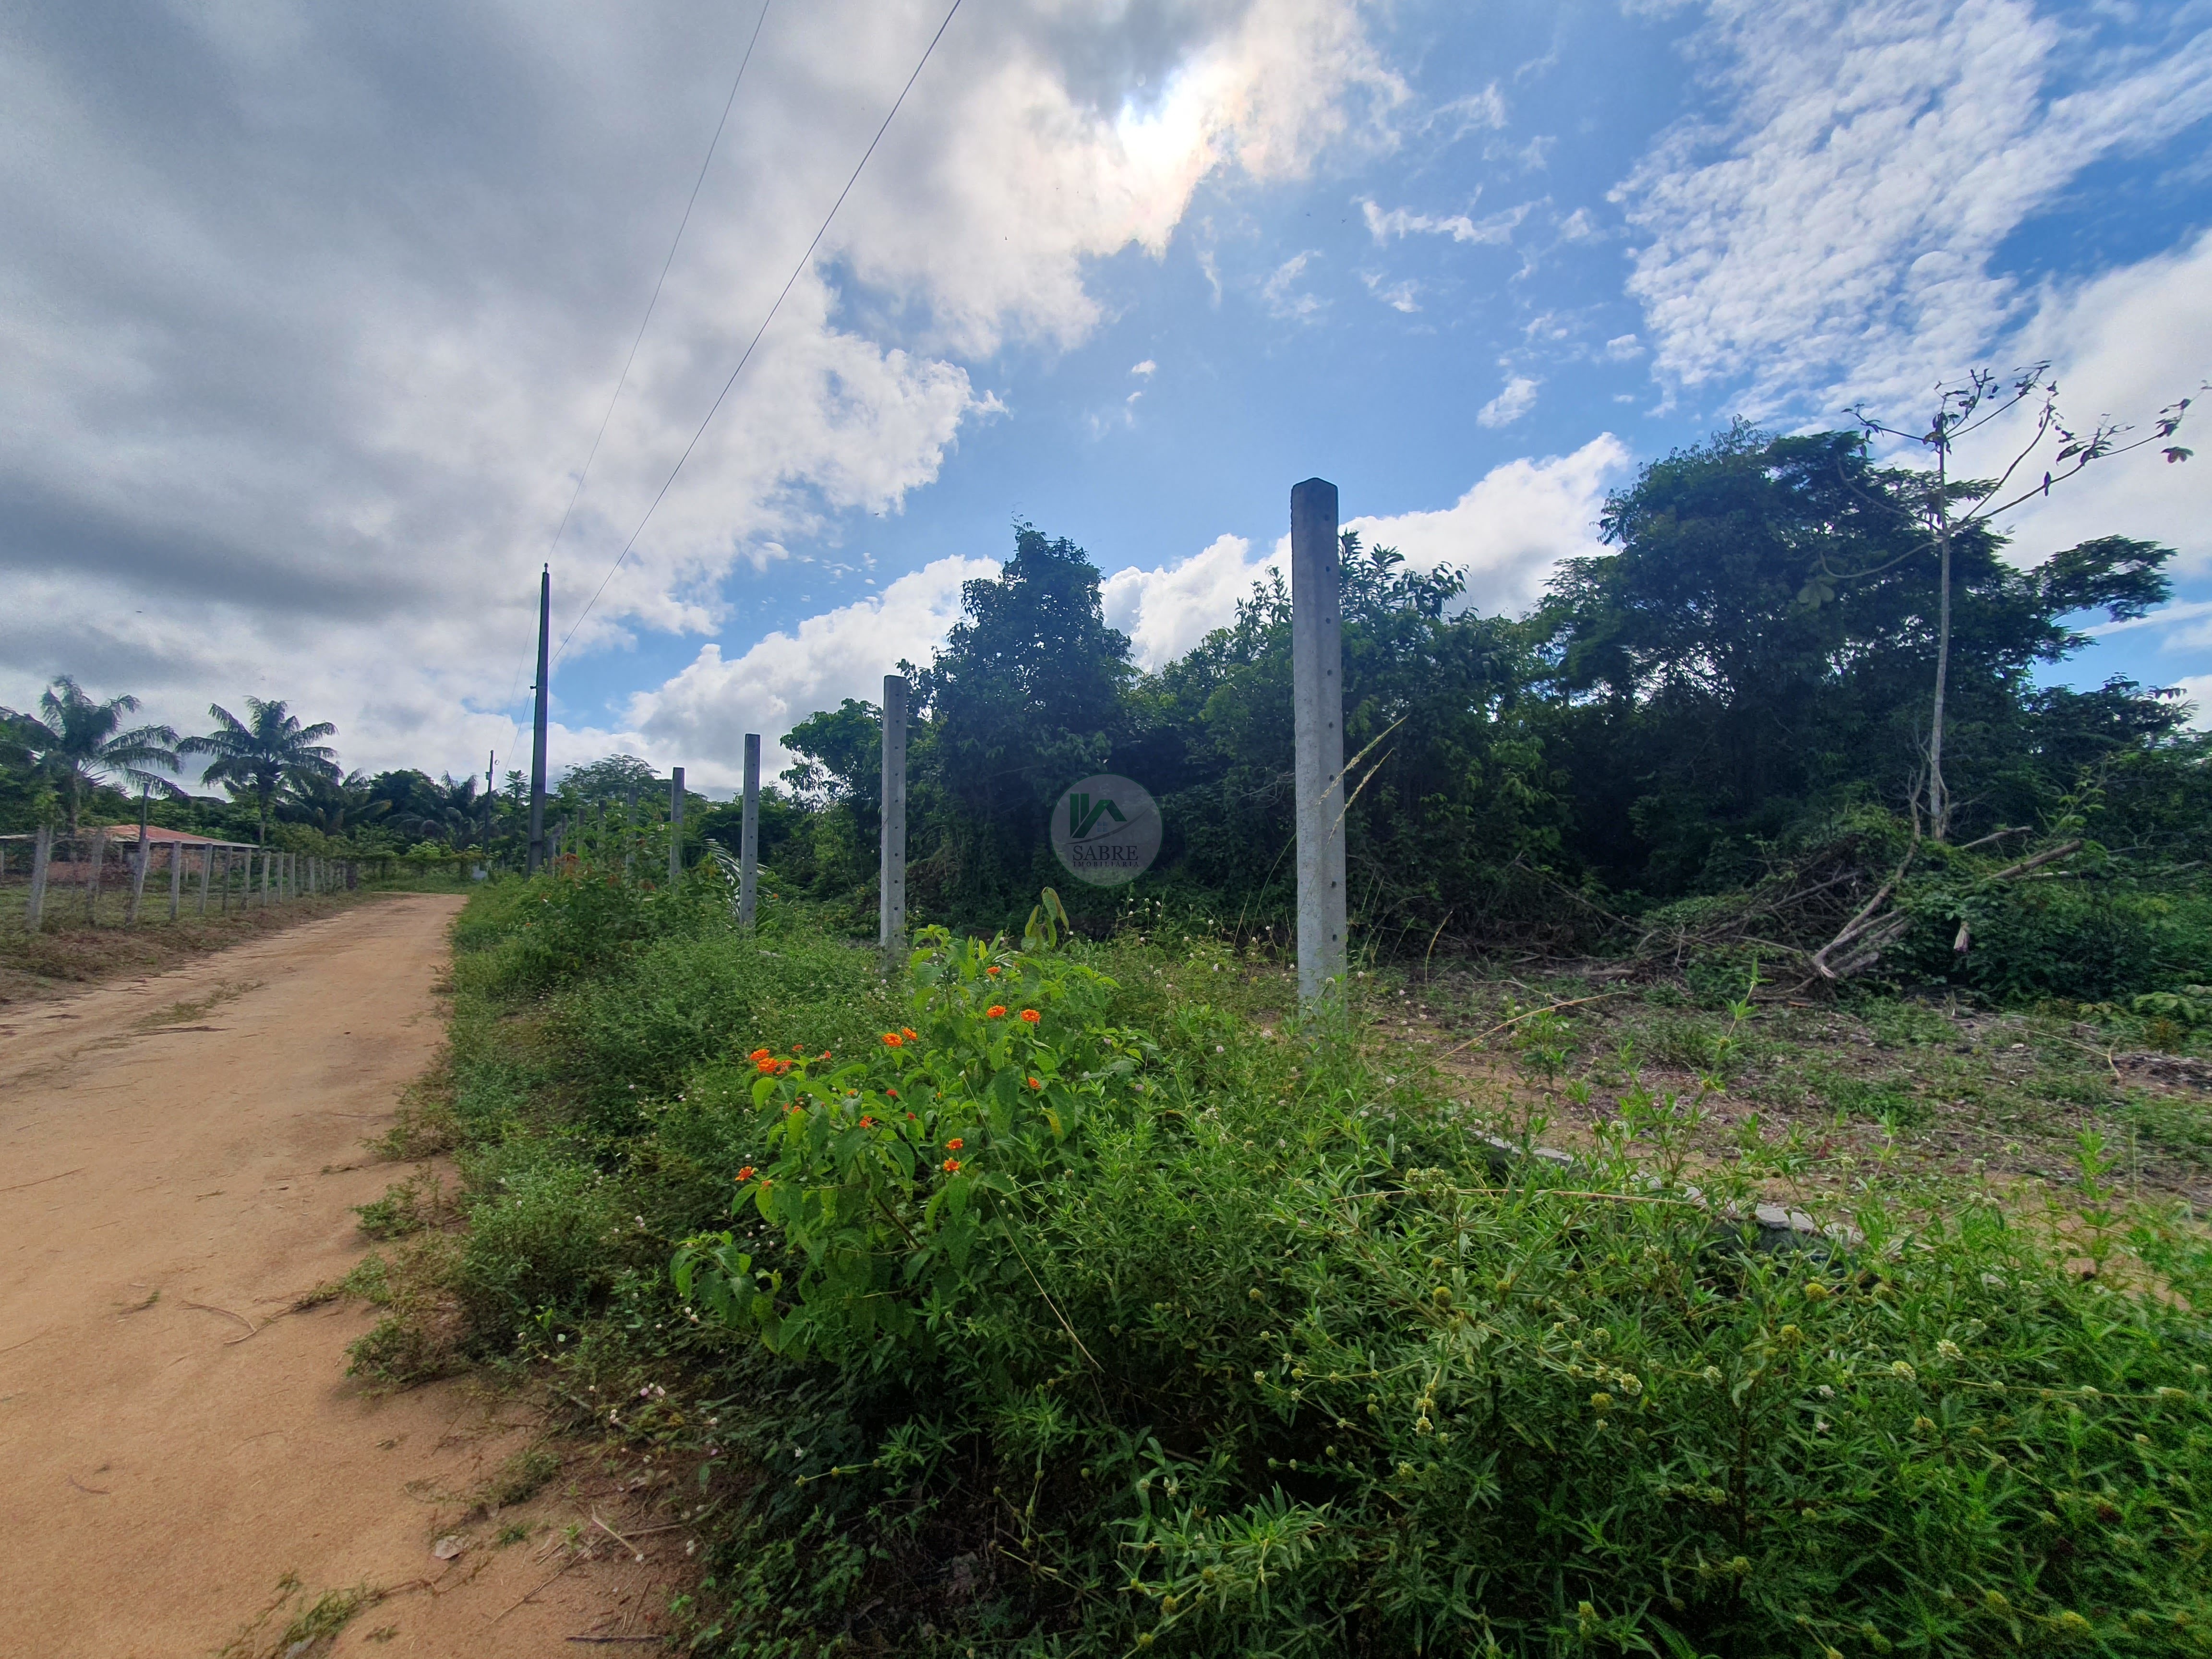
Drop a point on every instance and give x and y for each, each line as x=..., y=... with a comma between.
x=1027, y=696
x=80, y=744
x=263, y=753
x=1707, y=702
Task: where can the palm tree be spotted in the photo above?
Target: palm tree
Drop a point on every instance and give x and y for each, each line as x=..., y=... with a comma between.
x=455, y=820
x=77, y=743
x=260, y=753
x=330, y=803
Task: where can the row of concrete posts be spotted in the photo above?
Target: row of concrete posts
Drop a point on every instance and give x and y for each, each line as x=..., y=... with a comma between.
x=1317, y=695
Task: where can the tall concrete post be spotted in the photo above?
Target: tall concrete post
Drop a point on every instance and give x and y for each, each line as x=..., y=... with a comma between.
x=1317, y=708
x=42, y=853
x=890, y=911
x=176, y=877
x=207, y=875
x=749, y=835
x=675, y=826
x=538, y=723
x=142, y=856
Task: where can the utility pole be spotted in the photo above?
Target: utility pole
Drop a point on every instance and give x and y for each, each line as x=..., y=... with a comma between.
x=491, y=800
x=749, y=835
x=138, y=864
x=1317, y=709
x=538, y=723
x=675, y=826
x=891, y=908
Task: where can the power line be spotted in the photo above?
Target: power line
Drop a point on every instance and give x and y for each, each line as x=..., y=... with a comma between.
x=789, y=284
x=712, y=145
x=622, y=380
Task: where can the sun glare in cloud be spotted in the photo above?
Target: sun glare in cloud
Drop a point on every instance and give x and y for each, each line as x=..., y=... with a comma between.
x=304, y=356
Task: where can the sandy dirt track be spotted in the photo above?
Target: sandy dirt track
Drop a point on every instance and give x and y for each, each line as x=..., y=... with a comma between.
x=178, y=1159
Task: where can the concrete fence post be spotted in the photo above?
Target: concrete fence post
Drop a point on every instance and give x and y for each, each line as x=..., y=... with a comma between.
x=1317, y=708
x=42, y=853
x=749, y=835
x=891, y=908
x=176, y=878
x=207, y=873
x=675, y=826
x=265, y=856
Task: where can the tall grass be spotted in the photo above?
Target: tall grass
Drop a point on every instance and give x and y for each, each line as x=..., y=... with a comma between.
x=1221, y=1340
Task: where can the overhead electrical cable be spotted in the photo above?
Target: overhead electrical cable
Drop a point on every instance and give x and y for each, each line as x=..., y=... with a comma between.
x=622, y=380
x=790, y=282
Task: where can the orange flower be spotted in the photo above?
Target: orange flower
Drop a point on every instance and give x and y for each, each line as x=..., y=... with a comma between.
x=893, y=1040
x=745, y=1174
x=907, y=1031
x=782, y=1066
x=1035, y=1084
x=995, y=970
x=893, y=1093
x=767, y=1063
x=799, y=1048
x=1030, y=1016
x=996, y=1011
x=825, y=1055
x=867, y=1123
x=910, y=1117
x=758, y=1054
x=952, y=1166
x=953, y=1144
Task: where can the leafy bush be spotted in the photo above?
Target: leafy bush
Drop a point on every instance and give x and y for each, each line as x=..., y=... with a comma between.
x=1217, y=1341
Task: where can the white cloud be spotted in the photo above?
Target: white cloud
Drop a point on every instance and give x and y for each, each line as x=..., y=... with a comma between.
x=699, y=717
x=1510, y=531
x=1476, y=111
x=2125, y=343
x=1402, y=295
x=1624, y=348
x=1281, y=294
x=1519, y=397
x=1497, y=229
x=304, y=345
x=2196, y=689
x=1145, y=370
x=1166, y=610
x=1507, y=533
x=1830, y=236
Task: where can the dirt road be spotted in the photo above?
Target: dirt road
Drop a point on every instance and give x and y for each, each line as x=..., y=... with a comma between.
x=178, y=1157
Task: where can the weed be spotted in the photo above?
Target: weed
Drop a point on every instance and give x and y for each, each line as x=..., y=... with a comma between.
x=407, y=1207
x=519, y=1478
x=1180, y=1322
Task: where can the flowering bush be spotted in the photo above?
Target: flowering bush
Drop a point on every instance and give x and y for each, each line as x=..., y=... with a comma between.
x=901, y=1178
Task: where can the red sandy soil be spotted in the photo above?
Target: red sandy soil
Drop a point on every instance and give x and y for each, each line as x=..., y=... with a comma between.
x=179, y=1159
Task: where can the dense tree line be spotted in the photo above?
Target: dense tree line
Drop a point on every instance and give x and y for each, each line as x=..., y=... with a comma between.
x=1741, y=680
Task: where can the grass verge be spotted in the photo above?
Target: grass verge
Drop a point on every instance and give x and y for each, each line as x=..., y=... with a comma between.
x=1170, y=1321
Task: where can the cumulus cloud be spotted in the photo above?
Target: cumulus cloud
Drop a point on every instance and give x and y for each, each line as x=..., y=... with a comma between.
x=310, y=313
x=1829, y=232
x=2124, y=344
x=1507, y=533
x=1519, y=397
x=705, y=711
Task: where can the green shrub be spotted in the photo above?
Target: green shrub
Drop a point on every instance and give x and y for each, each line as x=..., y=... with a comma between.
x=1287, y=1367
x=541, y=1228
x=1219, y=1341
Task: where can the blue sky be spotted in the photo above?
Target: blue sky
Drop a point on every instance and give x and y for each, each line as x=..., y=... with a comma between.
x=314, y=319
